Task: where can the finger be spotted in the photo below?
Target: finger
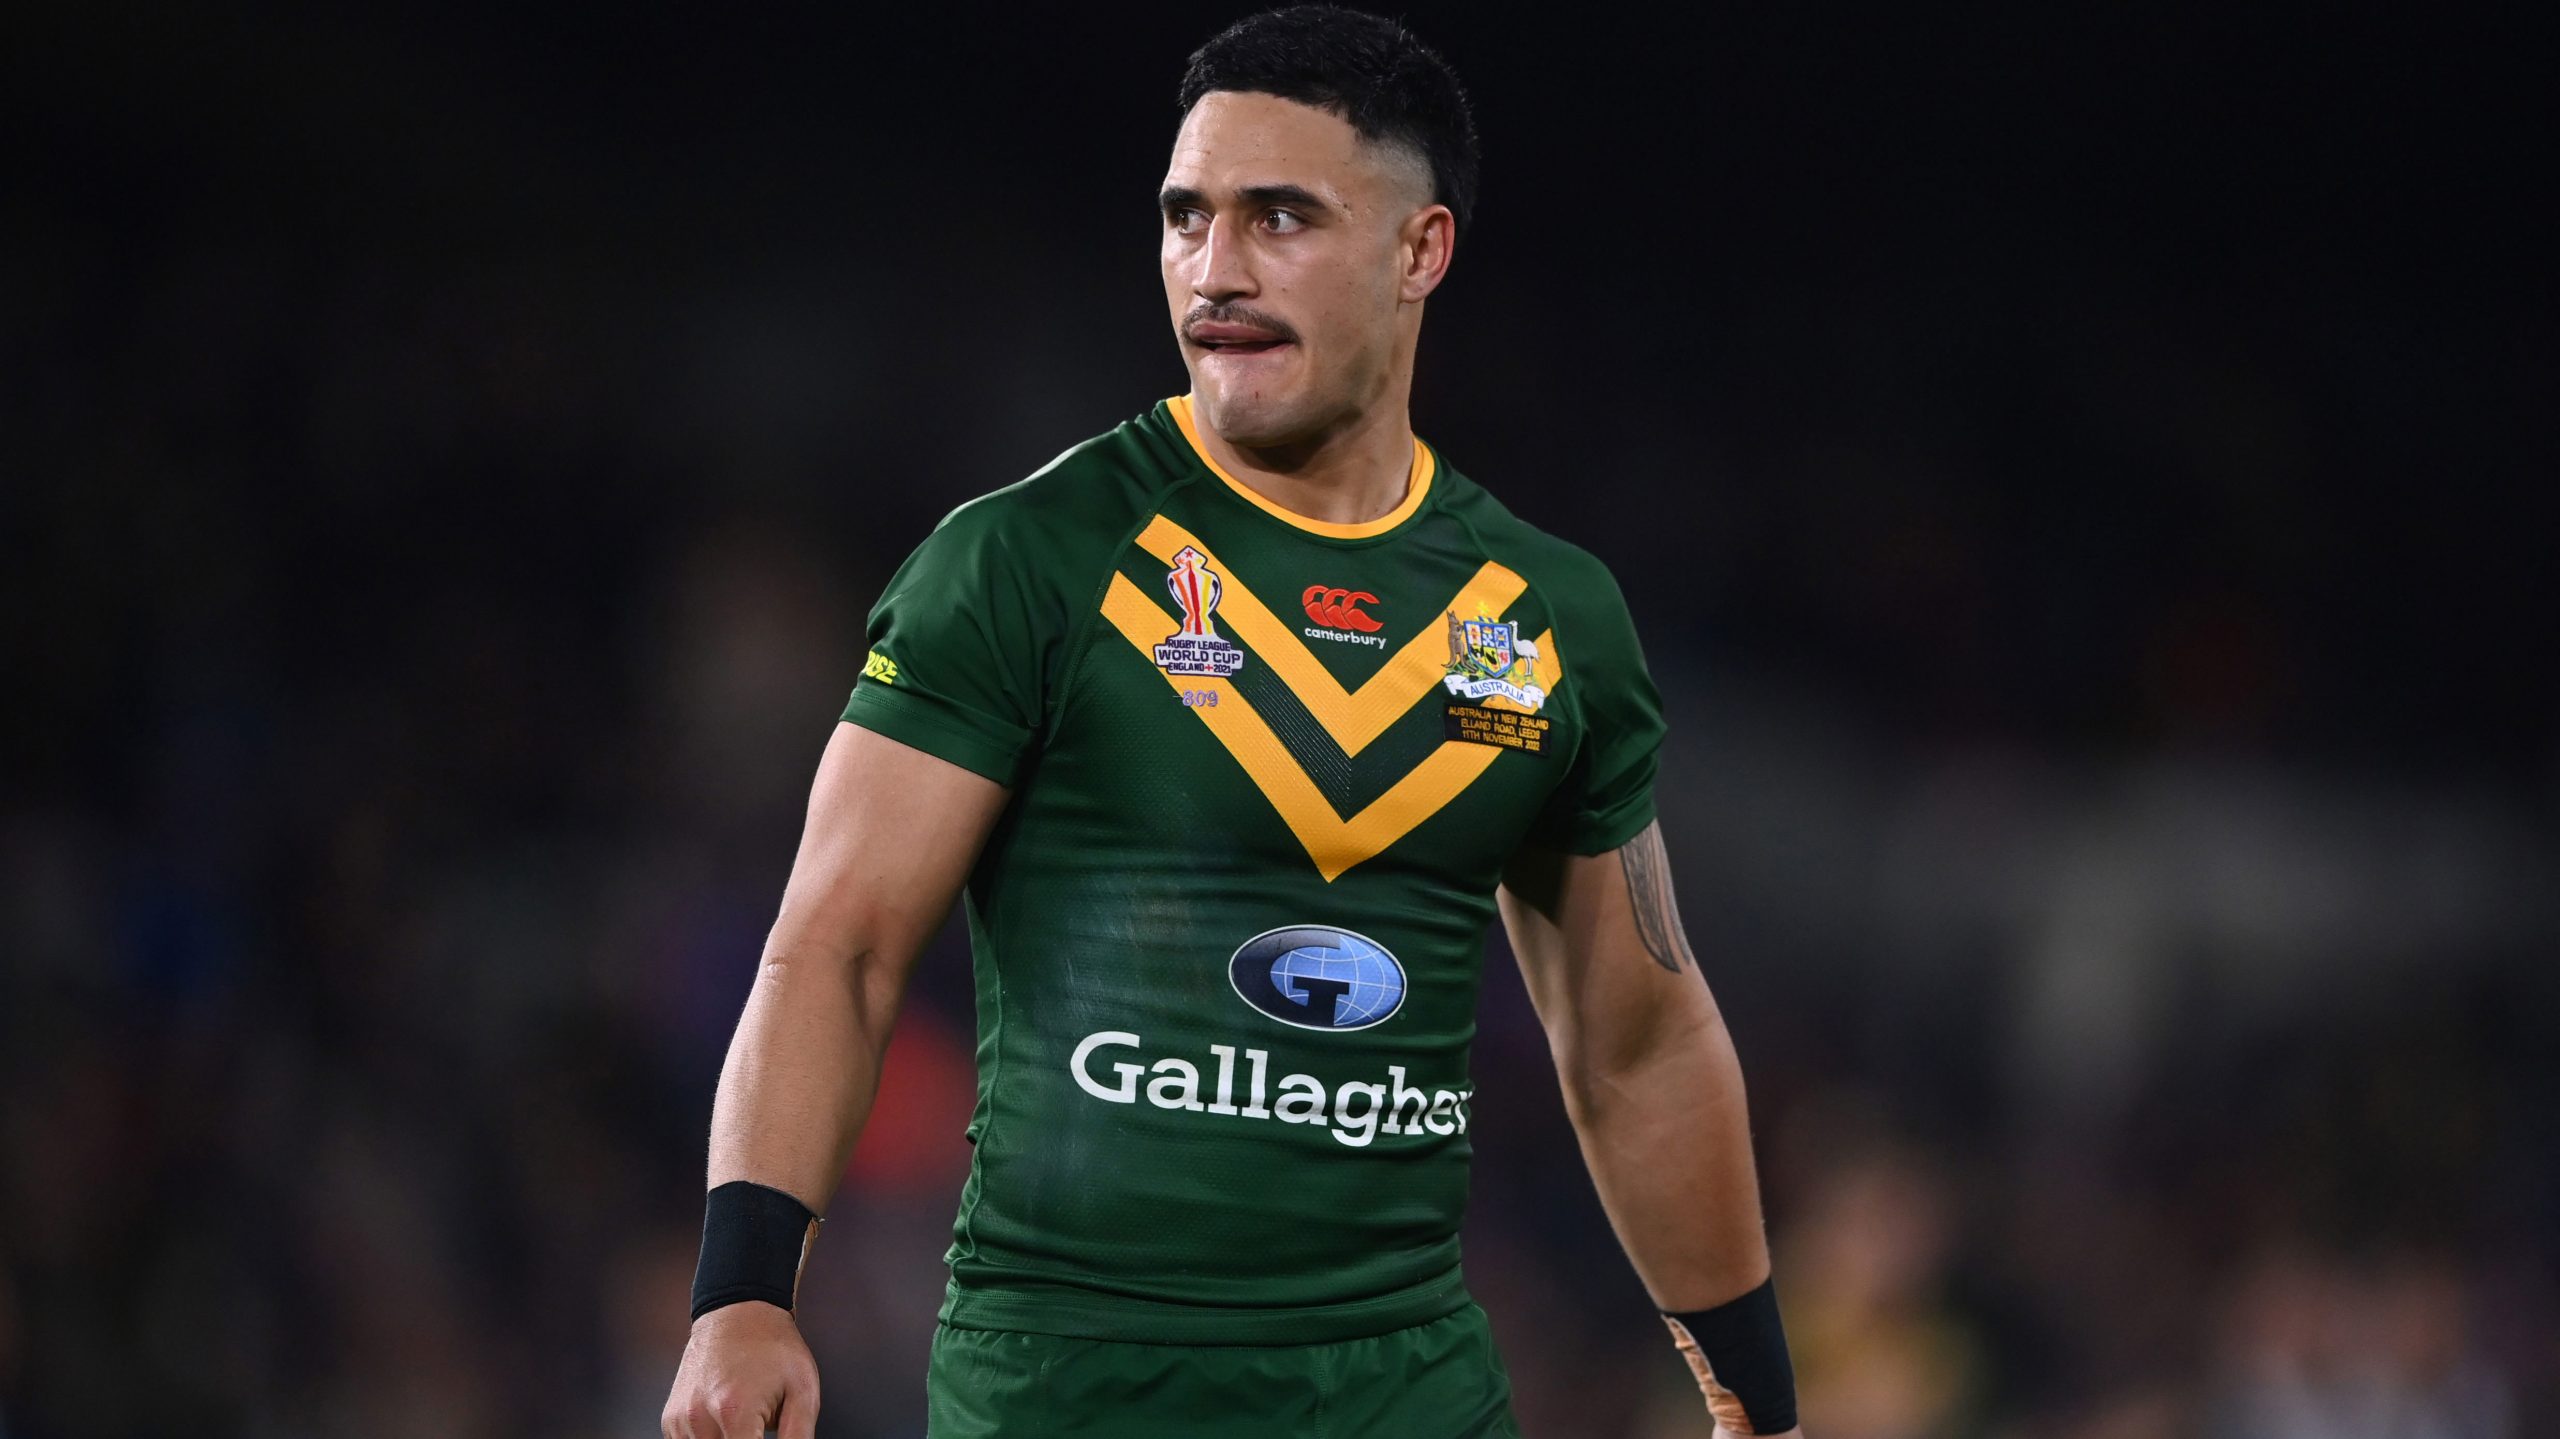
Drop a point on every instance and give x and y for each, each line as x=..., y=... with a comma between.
x=799, y=1408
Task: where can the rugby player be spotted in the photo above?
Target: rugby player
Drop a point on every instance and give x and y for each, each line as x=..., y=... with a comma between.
x=1234, y=728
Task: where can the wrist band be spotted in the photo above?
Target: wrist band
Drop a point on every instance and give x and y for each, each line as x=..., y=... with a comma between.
x=753, y=1239
x=1738, y=1350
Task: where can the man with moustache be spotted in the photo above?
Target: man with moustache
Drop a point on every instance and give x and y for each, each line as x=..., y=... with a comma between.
x=1228, y=889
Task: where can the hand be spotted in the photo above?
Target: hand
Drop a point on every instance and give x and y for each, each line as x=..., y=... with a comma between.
x=745, y=1370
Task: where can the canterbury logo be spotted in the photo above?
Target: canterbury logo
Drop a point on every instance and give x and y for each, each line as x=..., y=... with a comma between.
x=1350, y=718
x=1340, y=608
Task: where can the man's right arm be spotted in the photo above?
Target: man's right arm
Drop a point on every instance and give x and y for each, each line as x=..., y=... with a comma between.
x=890, y=837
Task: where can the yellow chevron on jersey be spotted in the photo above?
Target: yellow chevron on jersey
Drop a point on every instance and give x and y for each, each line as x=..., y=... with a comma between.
x=1352, y=717
x=1334, y=842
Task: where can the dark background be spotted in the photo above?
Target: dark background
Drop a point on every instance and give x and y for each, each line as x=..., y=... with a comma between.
x=2082, y=474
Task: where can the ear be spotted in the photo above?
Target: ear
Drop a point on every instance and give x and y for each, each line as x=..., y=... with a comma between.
x=1424, y=244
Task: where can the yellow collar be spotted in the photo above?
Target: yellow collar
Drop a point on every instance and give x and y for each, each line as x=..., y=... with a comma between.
x=1417, y=486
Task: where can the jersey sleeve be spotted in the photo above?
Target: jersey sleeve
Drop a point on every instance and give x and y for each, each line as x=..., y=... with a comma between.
x=959, y=645
x=1606, y=797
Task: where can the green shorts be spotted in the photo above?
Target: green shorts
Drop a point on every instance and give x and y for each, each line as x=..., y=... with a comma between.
x=1440, y=1380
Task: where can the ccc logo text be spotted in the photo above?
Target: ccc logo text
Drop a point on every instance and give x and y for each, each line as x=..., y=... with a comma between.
x=1315, y=977
x=1340, y=608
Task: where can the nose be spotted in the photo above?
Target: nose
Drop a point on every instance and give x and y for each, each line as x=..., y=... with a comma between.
x=1225, y=264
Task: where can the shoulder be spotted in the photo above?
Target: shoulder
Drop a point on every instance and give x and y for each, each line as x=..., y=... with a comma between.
x=1598, y=651
x=1075, y=509
x=1573, y=578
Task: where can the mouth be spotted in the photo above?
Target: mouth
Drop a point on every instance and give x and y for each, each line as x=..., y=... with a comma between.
x=1231, y=349
x=1237, y=341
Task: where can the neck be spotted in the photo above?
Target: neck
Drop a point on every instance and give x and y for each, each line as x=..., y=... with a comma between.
x=1350, y=474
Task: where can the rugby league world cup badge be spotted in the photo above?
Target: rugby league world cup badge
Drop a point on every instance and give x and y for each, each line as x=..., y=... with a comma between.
x=1197, y=648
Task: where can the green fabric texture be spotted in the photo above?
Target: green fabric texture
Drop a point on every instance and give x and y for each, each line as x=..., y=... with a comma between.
x=1229, y=929
x=1440, y=1380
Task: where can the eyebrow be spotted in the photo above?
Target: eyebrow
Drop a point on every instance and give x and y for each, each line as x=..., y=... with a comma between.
x=1295, y=197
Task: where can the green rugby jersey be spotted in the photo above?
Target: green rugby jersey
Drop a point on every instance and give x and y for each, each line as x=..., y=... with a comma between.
x=1265, y=771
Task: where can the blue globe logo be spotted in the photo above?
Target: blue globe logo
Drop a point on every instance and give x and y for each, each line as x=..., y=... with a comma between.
x=1318, y=978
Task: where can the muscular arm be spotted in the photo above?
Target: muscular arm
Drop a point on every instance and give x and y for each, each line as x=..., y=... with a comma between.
x=1649, y=1074
x=890, y=837
x=891, y=834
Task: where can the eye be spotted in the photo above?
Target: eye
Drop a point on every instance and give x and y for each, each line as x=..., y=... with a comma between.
x=1184, y=220
x=1284, y=222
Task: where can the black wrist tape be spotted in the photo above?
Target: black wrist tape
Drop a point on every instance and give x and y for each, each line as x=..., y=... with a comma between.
x=1738, y=1350
x=753, y=1239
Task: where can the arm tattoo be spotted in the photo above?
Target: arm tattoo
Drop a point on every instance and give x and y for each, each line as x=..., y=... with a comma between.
x=1649, y=887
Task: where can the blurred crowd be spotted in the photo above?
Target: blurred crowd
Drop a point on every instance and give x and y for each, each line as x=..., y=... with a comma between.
x=2107, y=789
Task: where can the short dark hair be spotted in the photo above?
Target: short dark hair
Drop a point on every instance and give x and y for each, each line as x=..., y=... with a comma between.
x=1370, y=70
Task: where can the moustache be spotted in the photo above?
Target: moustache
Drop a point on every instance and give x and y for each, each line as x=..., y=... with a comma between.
x=1234, y=314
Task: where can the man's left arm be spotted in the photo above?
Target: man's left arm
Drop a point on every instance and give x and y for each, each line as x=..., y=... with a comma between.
x=1654, y=1090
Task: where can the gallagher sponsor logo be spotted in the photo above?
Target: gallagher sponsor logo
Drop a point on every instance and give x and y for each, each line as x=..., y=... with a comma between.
x=1338, y=610
x=1355, y=1112
x=1315, y=977
x=1309, y=976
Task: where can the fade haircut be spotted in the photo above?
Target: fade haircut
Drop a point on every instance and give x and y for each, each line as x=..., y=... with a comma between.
x=1366, y=69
